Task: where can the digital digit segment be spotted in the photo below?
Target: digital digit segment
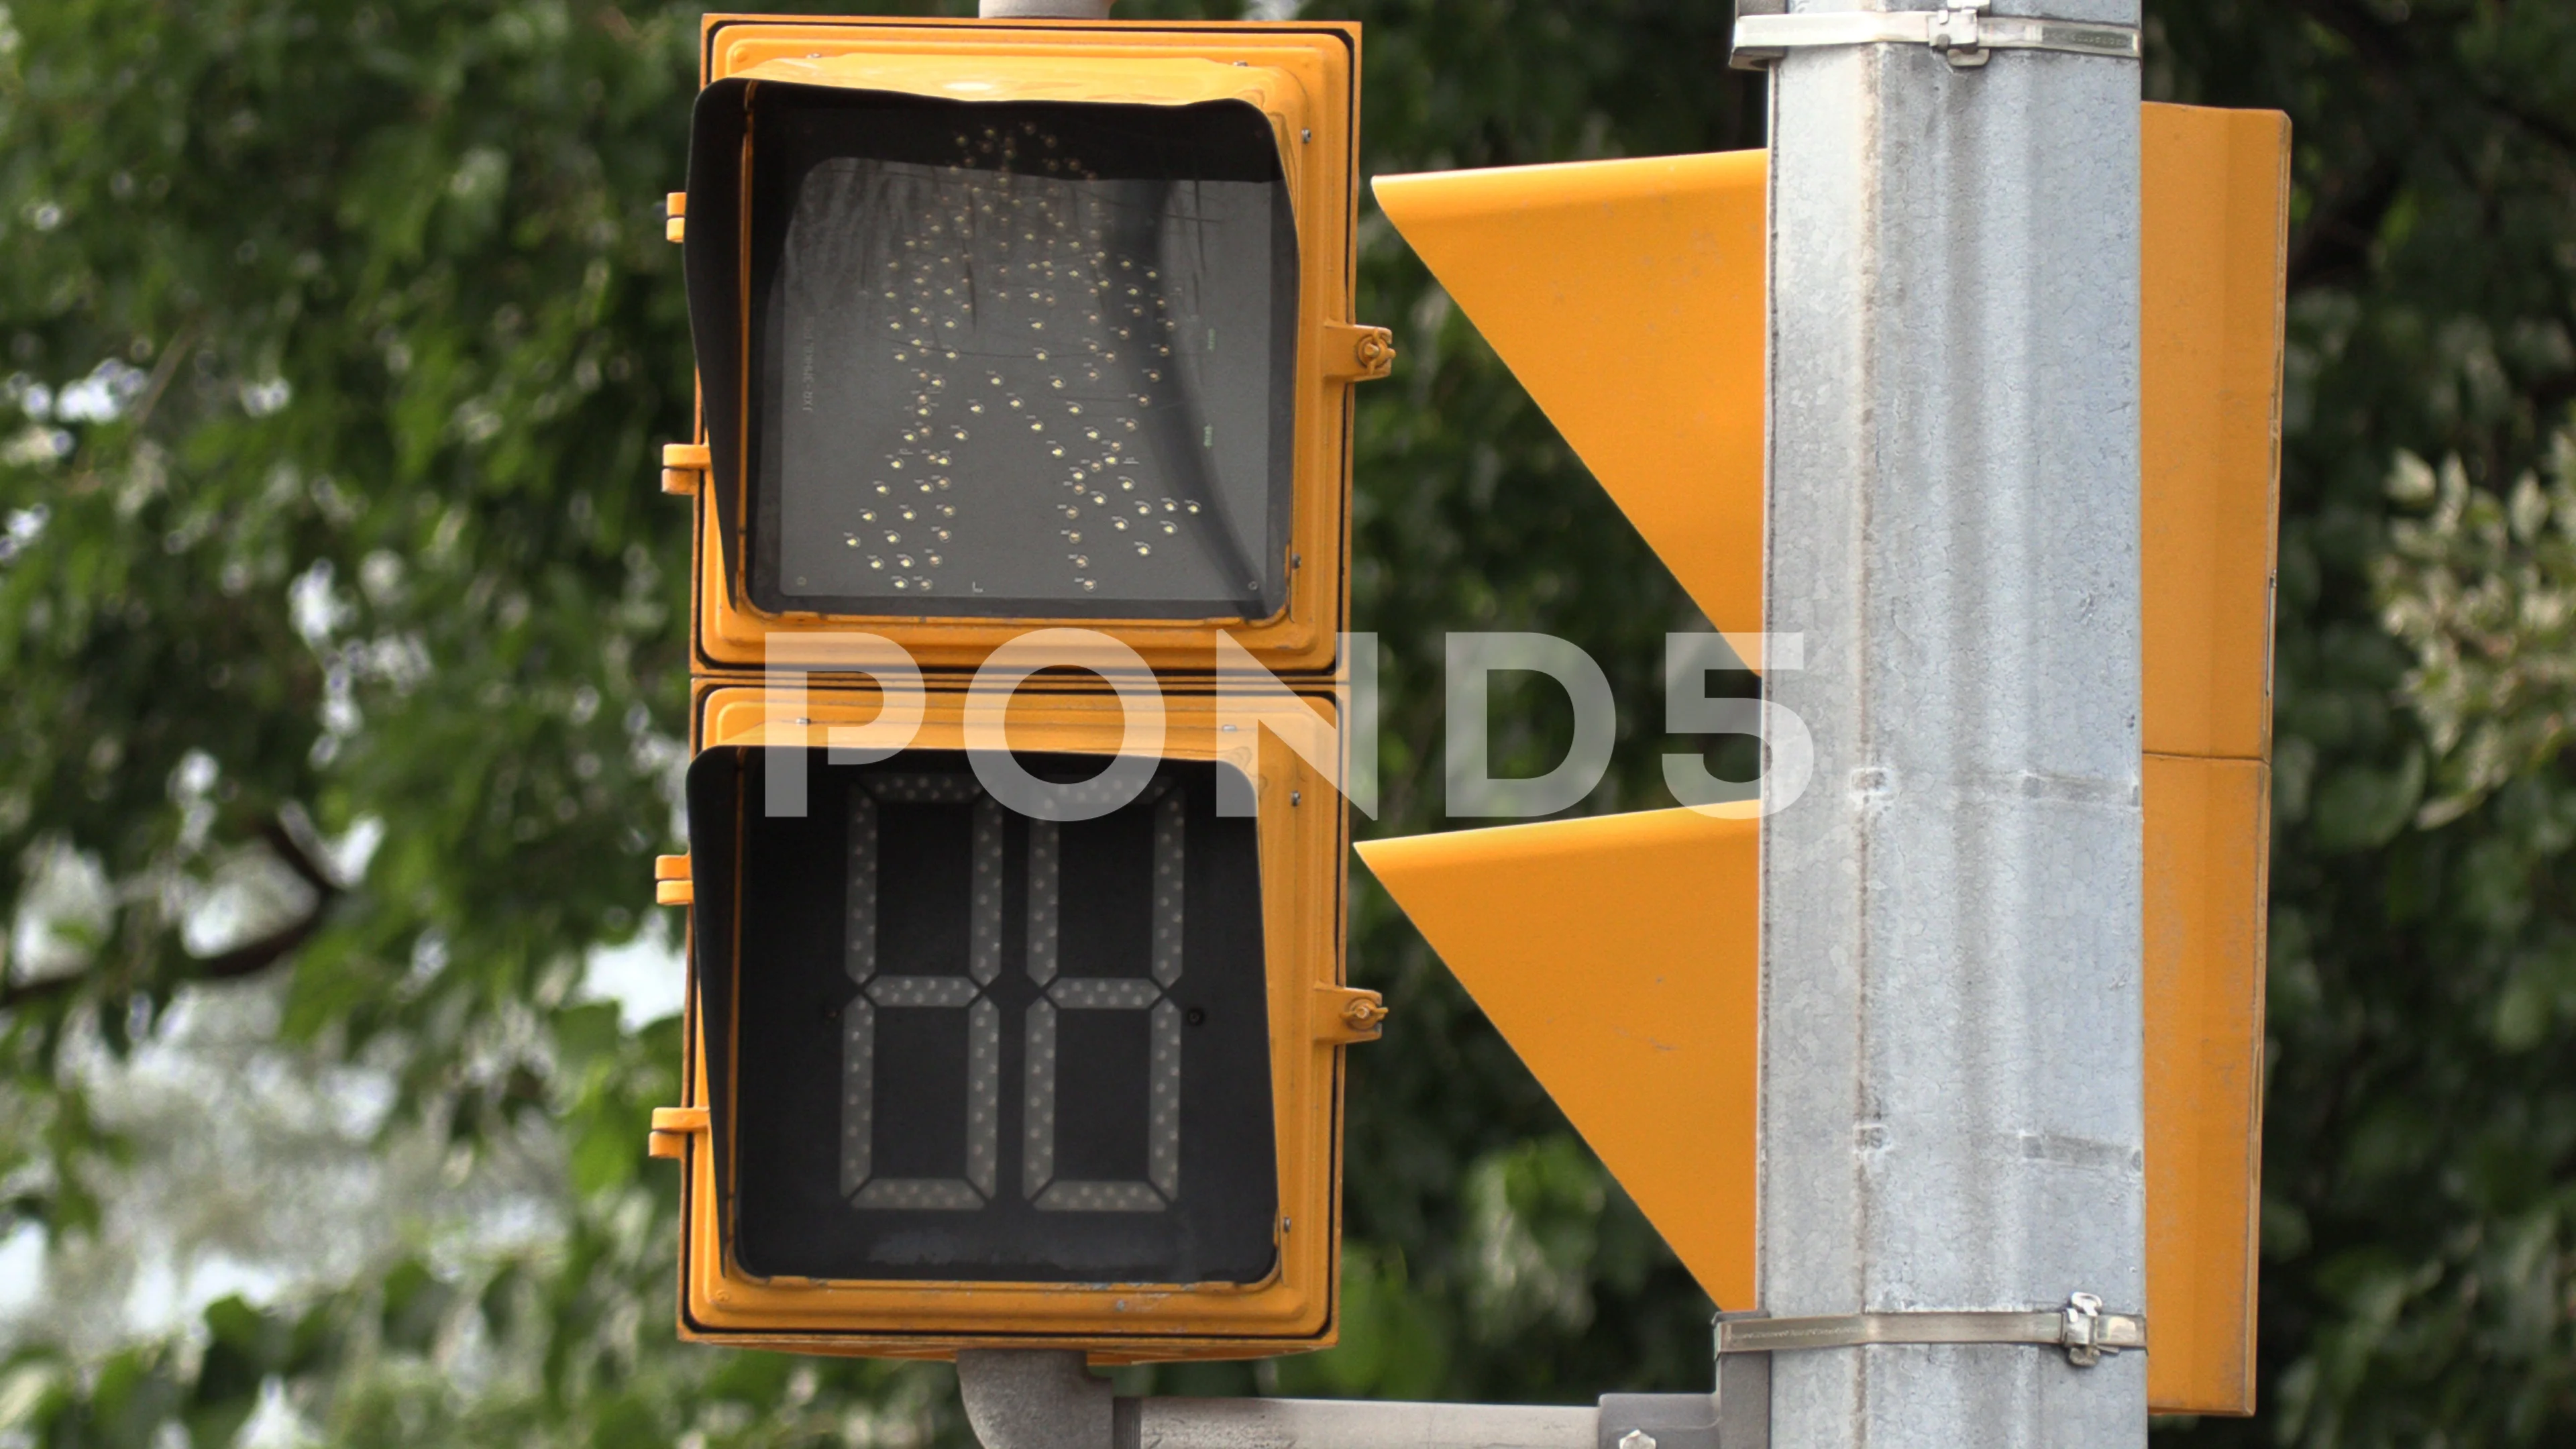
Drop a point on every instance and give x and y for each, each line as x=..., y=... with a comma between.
x=1021, y=356
x=859, y=1180
x=1162, y=1127
x=1003, y=1048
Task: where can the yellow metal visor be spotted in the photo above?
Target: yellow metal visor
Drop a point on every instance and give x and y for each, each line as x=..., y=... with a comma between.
x=1141, y=81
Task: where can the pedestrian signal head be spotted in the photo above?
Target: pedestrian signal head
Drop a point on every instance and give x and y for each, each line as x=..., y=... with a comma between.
x=1007, y=323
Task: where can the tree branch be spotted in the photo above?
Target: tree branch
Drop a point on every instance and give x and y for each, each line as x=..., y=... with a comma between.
x=171, y=356
x=248, y=959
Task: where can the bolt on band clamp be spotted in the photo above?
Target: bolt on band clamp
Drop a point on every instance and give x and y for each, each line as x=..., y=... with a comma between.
x=2081, y=1328
x=1965, y=33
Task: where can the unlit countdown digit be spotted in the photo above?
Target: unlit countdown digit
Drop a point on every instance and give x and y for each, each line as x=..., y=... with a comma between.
x=1075, y=993
x=983, y=1018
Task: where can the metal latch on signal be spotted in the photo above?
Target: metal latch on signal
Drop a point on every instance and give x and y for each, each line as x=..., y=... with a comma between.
x=1349, y=1014
x=671, y=883
x=1357, y=354
x=672, y=1129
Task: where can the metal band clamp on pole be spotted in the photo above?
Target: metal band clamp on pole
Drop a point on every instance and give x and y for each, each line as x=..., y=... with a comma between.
x=2081, y=1328
x=1965, y=33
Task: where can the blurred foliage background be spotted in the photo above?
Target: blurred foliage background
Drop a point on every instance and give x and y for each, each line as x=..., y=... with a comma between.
x=341, y=685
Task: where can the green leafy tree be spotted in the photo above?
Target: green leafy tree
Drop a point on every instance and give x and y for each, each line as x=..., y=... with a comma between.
x=338, y=340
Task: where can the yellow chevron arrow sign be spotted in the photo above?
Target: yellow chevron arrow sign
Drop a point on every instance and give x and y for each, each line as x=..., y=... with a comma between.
x=1620, y=956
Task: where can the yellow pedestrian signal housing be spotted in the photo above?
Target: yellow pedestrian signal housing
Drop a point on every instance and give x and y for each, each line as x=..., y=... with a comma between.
x=1005, y=321
x=1016, y=999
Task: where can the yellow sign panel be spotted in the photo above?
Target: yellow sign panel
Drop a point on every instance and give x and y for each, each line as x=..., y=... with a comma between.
x=1612, y=954
x=2216, y=192
x=1627, y=297
x=2208, y=826
x=1576, y=946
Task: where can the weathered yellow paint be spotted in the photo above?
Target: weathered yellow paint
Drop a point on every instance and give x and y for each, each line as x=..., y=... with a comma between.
x=1627, y=296
x=2216, y=194
x=2208, y=829
x=1551, y=264
x=2215, y=198
x=1617, y=954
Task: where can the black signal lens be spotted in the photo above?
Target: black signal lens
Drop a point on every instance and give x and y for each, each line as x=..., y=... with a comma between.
x=971, y=1045
x=1021, y=358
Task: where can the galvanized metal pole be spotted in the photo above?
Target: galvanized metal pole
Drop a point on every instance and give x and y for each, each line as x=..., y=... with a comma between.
x=1951, y=928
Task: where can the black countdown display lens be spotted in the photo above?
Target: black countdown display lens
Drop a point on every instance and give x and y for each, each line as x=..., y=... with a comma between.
x=974, y=1045
x=1020, y=358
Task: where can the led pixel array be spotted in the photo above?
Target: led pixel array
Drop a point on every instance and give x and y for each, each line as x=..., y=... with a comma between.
x=1026, y=356
x=980, y=1045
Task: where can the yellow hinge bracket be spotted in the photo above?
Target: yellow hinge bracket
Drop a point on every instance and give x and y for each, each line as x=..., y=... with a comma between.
x=671, y=884
x=675, y=207
x=1346, y=1014
x=672, y=1129
x=1357, y=354
x=683, y=465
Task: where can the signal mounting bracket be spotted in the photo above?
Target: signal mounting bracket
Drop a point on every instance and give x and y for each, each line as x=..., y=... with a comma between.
x=1966, y=33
